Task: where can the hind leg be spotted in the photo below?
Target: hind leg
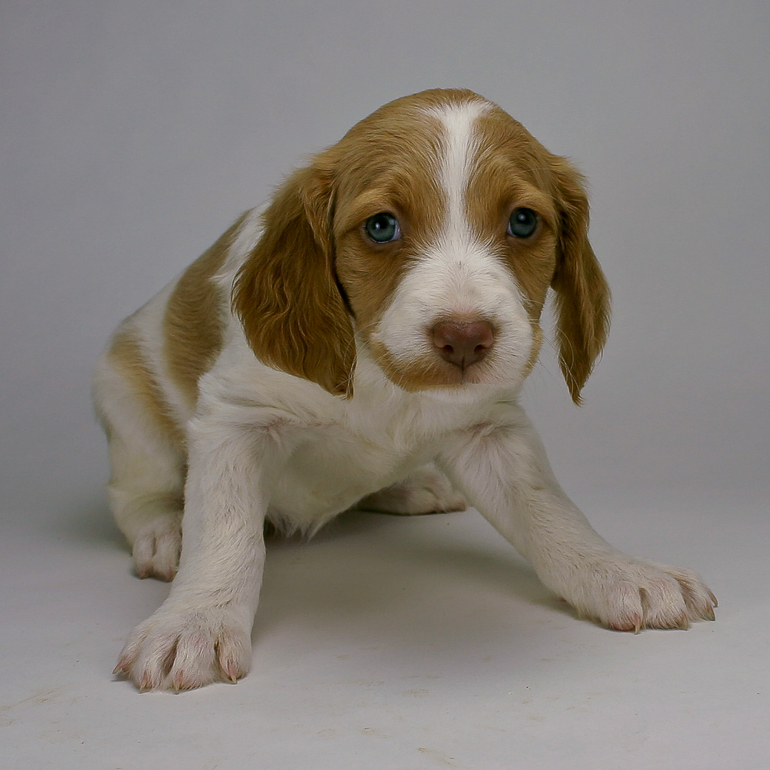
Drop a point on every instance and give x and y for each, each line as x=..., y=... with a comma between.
x=147, y=464
x=426, y=490
x=146, y=496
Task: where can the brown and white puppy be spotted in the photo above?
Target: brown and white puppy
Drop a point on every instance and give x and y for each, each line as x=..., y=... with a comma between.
x=363, y=342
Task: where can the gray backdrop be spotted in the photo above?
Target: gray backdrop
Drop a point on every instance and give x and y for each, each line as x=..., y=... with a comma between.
x=134, y=132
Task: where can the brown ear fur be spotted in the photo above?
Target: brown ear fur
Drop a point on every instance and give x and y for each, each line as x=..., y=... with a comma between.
x=582, y=293
x=286, y=294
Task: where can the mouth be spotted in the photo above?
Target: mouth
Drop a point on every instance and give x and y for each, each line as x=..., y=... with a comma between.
x=431, y=372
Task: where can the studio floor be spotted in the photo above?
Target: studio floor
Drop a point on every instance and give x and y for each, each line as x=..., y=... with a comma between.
x=396, y=643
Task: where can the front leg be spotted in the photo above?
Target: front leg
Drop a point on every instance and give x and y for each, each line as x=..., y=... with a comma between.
x=503, y=470
x=202, y=632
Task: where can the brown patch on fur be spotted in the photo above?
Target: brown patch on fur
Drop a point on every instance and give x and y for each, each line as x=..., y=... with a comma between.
x=125, y=354
x=508, y=174
x=514, y=170
x=286, y=294
x=400, y=179
x=582, y=292
x=194, y=321
x=537, y=344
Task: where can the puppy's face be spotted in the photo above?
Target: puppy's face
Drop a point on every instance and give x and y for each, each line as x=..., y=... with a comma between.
x=445, y=242
x=433, y=230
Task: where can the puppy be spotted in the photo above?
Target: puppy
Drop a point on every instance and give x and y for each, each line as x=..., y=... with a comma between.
x=363, y=342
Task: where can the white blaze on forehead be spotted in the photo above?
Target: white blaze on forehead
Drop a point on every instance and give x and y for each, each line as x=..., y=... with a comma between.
x=460, y=149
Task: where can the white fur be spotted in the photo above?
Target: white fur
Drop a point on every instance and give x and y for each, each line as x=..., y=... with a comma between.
x=265, y=444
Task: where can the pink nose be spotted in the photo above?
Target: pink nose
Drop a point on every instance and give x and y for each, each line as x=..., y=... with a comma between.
x=463, y=342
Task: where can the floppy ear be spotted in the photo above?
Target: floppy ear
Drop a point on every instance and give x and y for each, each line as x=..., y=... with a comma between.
x=286, y=294
x=582, y=293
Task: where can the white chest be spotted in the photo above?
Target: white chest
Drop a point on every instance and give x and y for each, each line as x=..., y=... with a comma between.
x=332, y=468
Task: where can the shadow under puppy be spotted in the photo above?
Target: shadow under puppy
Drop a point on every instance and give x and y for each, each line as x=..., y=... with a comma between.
x=363, y=342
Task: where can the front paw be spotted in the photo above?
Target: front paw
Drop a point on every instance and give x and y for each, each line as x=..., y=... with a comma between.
x=629, y=594
x=182, y=650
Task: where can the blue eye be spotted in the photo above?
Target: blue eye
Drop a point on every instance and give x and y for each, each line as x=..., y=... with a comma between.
x=382, y=228
x=523, y=223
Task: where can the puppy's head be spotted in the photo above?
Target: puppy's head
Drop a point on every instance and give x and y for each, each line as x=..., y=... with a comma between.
x=431, y=233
